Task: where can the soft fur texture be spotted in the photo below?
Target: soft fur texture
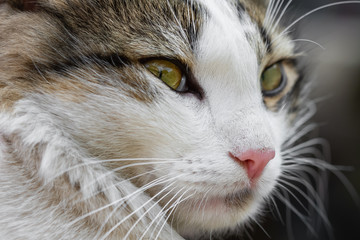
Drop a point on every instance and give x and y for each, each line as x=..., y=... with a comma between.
x=93, y=146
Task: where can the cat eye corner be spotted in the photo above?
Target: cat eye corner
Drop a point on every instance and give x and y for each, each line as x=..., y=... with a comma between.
x=273, y=80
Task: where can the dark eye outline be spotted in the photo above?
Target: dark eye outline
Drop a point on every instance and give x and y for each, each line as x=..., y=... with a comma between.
x=191, y=85
x=282, y=85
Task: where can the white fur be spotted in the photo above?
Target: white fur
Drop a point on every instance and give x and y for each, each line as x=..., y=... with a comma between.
x=199, y=135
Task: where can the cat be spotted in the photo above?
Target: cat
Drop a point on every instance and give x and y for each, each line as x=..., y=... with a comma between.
x=143, y=119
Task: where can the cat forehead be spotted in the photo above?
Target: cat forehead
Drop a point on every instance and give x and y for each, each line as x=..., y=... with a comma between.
x=168, y=28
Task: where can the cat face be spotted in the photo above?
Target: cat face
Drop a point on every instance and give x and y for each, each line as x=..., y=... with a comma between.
x=185, y=100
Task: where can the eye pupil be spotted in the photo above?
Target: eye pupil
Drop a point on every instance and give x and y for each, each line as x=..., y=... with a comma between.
x=154, y=70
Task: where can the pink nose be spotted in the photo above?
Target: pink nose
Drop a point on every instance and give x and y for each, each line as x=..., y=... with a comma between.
x=254, y=161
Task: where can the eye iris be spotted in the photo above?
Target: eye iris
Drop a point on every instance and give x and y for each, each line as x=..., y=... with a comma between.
x=167, y=71
x=271, y=78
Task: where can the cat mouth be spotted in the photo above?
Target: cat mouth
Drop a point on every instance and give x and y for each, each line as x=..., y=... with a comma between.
x=239, y=198
x=231, y=201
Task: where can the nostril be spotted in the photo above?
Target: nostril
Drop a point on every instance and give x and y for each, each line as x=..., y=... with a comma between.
x=254, y=160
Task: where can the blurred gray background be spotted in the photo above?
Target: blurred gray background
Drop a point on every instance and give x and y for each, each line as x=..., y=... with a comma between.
x=336, y=71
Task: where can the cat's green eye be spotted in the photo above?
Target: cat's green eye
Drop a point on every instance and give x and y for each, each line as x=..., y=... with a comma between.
x=168, y=72
x=273, y=80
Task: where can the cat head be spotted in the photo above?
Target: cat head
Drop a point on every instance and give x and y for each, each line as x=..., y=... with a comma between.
x=188, y=98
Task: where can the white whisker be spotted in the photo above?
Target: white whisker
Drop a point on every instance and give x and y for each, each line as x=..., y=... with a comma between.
x=294, y=210
x=129, y=197
x=160, y=214
x=277, y=209
x=118, y=169
x=139, y=190
x=173, y=207
x=310, y=143
x=310, y=41
x=181, y=29
x=282, y=14
x=261, y=227
x=316, y=204
x=268, y=13
x=292, y=194
x=279, y=3
x=299, y=134
x=95, y=162
x=273, y=10
x=311, y=12
x=138, y=209
x=117, y=184
x=315, y=162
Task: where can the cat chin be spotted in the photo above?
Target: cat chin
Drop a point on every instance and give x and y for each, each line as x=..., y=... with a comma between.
x=218, y=215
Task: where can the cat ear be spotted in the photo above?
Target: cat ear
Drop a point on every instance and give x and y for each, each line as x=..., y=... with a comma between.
x=23, y=5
